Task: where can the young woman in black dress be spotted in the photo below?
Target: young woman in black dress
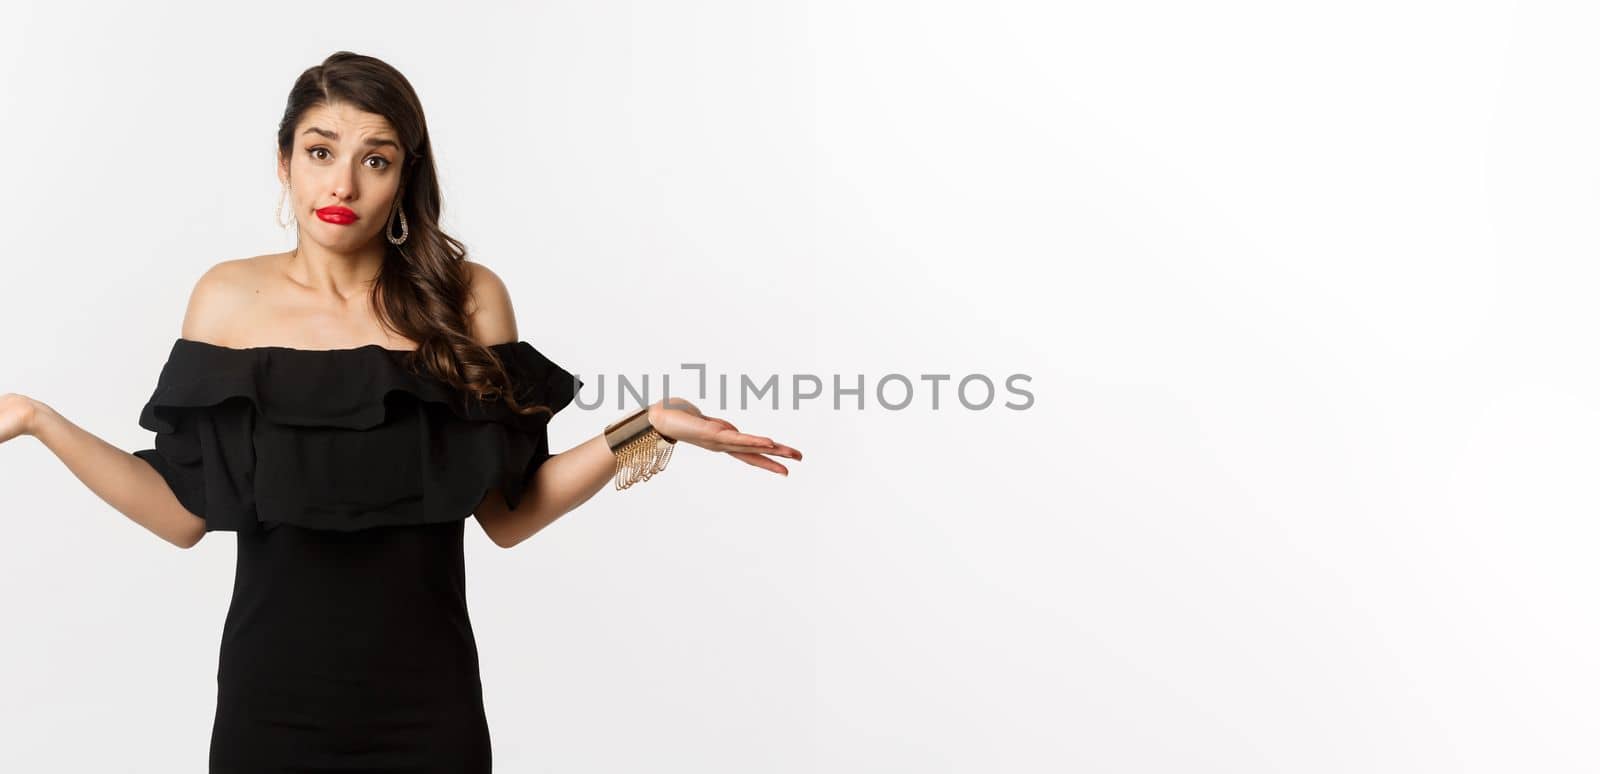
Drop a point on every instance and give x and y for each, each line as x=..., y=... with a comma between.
x=344, y=407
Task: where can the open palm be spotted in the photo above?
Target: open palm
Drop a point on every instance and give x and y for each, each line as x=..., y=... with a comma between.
x=683, y=421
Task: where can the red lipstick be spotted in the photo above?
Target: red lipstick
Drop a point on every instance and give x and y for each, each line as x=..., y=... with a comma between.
x=343, y=216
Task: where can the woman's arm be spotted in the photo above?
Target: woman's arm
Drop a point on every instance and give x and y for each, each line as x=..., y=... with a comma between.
x=122, y=480
x=562, y=483
x=567, y=480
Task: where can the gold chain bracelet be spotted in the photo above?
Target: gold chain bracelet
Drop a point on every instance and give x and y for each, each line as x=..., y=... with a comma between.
x=641, y=451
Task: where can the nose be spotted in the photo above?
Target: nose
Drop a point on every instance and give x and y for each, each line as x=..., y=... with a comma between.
x=344, y=184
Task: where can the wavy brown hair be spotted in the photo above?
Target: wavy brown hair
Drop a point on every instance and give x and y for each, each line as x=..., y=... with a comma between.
x=423, y=286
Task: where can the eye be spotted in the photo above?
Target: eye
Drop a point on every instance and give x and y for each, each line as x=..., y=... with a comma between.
x=312, y=152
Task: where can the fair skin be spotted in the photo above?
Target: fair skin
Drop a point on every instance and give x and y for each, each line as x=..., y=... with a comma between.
x=316, y=297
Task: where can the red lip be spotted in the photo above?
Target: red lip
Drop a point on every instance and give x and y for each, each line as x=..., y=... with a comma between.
x=339, y=215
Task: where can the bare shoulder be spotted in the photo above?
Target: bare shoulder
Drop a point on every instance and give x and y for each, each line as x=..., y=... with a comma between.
x=489, y=313
x=216, y=294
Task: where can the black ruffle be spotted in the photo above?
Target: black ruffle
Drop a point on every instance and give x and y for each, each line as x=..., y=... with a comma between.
x=341, y=439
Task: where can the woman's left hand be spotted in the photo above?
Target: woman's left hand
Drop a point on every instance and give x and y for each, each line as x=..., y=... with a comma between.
x=684, y=422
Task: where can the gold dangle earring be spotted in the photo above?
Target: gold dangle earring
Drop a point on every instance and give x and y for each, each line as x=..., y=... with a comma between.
x=277, y=215
x=405, y=228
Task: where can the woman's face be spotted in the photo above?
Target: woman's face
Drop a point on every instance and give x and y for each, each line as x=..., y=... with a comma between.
x=344, y=159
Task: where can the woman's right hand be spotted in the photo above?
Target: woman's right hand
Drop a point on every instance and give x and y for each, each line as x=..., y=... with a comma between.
x=123, y=480
x=17, y=413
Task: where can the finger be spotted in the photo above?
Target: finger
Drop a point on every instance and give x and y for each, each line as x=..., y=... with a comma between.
x=744, y=449
x=759, y=461
x=784, y=451
x=720, y=421
x=779, y=450
x=749, y=443
x=776, y=448
x=745, y=439
x=765, y=445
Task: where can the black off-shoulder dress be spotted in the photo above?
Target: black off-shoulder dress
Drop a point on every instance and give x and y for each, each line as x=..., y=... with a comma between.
x=348, y=476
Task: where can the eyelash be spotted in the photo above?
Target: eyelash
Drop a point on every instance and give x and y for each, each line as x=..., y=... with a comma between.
x=312, y=153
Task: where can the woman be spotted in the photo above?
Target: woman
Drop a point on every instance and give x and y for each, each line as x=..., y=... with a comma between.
x=344, y=407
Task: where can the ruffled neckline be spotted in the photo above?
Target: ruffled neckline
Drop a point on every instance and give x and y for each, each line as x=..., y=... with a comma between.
x=274, y=347
x=252, y=437
x=351, y=387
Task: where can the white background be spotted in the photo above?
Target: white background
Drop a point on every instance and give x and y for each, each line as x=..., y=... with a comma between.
x=1304, y=291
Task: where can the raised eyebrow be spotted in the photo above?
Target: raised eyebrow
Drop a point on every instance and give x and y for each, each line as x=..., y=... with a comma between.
x=372, y=142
